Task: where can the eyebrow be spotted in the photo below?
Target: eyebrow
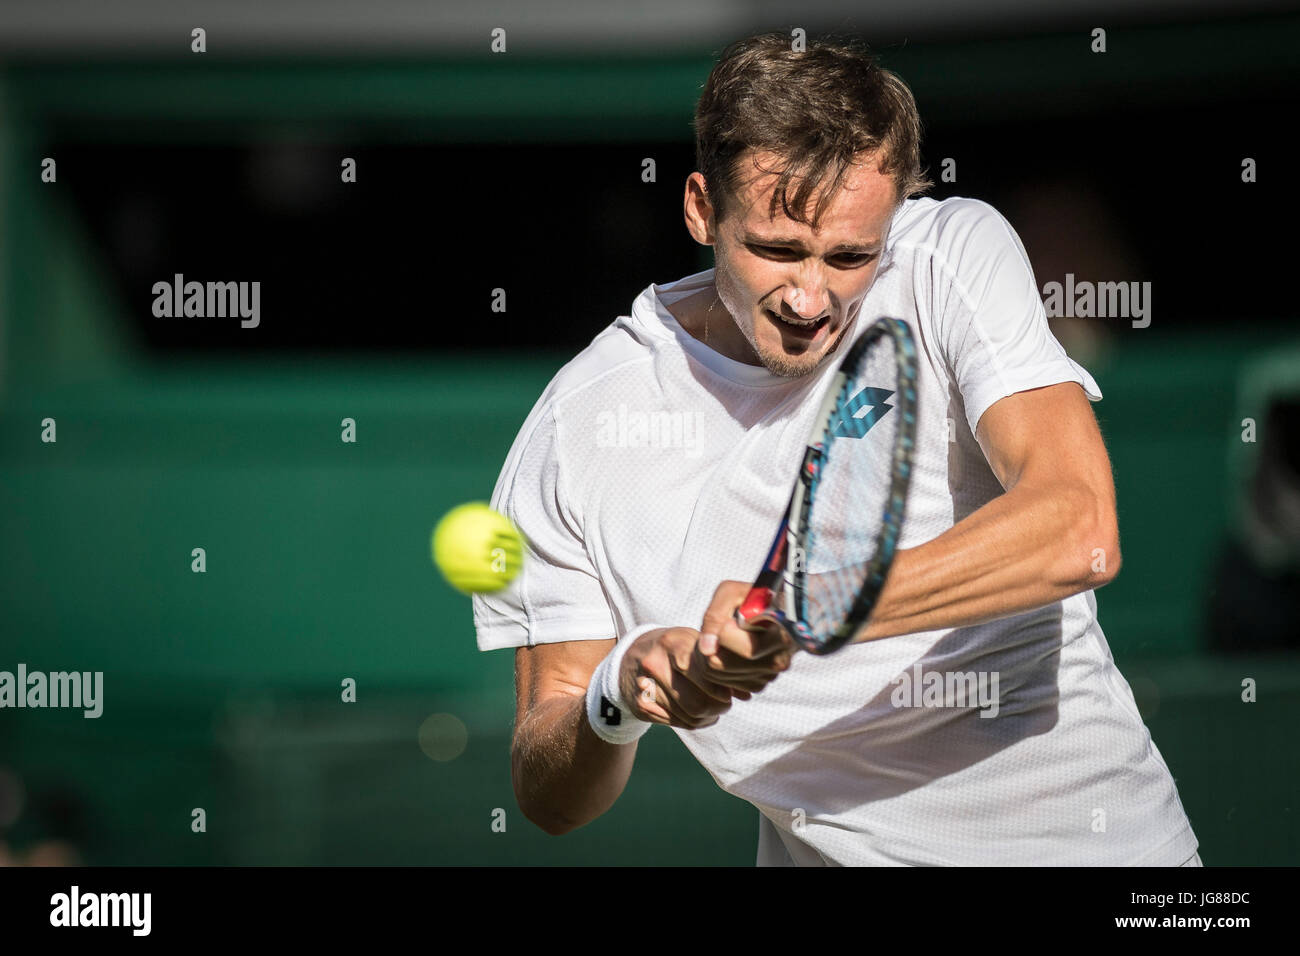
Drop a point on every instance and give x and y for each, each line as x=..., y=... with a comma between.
x=791, y=242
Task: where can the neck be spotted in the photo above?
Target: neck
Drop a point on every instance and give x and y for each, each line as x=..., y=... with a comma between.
x=707, y=320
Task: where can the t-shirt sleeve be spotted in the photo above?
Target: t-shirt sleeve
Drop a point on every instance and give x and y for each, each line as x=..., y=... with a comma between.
x=557, y=596
x=990, y=317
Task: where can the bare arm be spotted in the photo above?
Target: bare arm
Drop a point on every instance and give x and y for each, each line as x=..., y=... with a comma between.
x=1052, y=534
x=564, y=775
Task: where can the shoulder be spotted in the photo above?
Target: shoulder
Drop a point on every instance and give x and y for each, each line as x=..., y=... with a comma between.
x=961, y=245
x=619, y=351
x=950, y=229
x=619, y=361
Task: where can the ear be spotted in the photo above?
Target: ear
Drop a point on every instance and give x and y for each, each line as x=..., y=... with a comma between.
x=698, y=211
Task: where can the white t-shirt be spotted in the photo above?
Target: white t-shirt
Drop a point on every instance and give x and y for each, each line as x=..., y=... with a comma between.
x=652, y=468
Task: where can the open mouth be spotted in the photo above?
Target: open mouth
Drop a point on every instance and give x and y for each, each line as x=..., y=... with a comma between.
x=799, y=330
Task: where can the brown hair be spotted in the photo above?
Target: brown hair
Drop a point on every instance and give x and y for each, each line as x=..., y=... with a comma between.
x=817, y=109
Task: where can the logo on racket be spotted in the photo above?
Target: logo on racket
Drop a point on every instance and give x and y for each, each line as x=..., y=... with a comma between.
x=862, y=411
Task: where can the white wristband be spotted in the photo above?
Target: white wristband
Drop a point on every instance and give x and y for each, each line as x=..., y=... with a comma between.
x=609, y=715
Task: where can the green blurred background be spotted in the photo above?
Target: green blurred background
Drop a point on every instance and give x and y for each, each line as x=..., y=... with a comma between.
x=222, y=689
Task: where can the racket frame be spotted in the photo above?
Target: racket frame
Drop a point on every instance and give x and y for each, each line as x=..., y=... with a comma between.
x=777, y=595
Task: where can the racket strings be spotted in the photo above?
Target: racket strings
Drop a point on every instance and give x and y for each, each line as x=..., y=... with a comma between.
x=850, y=496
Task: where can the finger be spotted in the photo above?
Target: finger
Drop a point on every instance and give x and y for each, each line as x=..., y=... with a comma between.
x=693, y=703
x=726, y=598
x=648, y=703
x=654, y=681
x=715, y=691
x=683, y=713
x=754, y=642
x=687, y=698
x=691, y=666
x=743, y=688
x=727, y=665
x=752, y=686
x=698, y=705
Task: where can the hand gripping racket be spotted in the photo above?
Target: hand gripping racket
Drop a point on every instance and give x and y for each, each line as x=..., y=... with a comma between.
x=833, y=550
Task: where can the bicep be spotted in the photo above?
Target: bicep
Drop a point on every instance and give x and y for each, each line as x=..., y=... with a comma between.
x=1047, y=434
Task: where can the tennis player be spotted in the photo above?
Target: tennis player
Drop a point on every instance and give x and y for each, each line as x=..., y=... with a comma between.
x=980, y=718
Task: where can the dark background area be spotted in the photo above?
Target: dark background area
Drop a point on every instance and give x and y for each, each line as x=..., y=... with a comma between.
x=407, y=258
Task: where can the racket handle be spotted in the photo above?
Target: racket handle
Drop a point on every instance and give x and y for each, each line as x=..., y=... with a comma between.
x=757, y=603
x=757, y=614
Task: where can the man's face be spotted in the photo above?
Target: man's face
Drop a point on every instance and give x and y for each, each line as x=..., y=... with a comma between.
x=793, y=291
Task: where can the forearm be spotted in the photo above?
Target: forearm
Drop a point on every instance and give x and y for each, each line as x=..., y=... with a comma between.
x=564, y=775
x=1032, y=546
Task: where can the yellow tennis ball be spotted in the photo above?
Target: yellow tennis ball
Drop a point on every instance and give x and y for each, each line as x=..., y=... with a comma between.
x=477, y=550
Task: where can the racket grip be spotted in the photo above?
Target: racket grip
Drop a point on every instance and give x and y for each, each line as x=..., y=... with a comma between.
x=757, y=602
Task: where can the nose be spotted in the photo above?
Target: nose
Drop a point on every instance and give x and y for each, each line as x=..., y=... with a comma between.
x=809, y=297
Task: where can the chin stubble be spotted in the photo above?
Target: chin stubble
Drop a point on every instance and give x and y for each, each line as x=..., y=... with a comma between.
x=786, y=366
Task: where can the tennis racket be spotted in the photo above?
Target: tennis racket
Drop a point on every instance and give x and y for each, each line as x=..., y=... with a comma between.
x=833, y=550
